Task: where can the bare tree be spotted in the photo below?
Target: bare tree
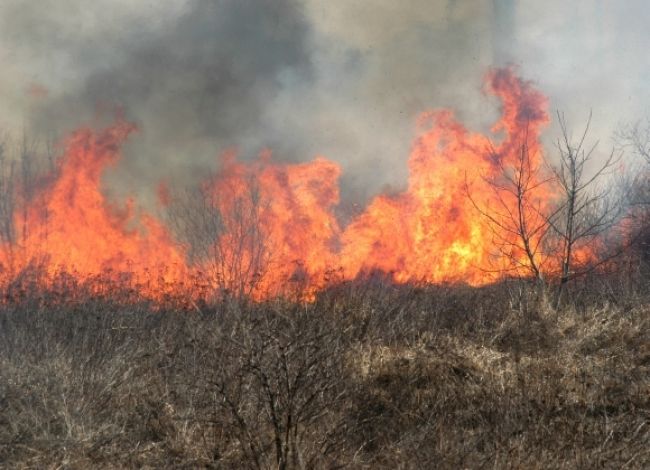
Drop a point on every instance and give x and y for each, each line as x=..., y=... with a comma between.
x=517, y=218
x=7, y=197
x=222, y=232
x=539, y=237
x=274, y=383
x=19, y=176
x=637, y=137
x=588, y=205
x=634, y=139
x=28, y=156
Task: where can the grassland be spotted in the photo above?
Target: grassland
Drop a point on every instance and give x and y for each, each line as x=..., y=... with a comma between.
x=370, y=375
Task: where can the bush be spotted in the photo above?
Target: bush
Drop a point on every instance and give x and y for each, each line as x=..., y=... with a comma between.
x=367, y=376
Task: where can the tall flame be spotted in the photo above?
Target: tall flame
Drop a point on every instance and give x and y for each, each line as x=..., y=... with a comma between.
x=273, y=226
x=432, y=232
x=70, y=227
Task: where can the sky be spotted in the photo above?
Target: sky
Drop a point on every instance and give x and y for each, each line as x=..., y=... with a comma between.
x=344, y=79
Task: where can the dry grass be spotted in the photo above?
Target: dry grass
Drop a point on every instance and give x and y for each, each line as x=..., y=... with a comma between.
x=365, y=377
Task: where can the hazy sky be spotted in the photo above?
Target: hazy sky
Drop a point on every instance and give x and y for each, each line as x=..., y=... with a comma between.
x=341, y=78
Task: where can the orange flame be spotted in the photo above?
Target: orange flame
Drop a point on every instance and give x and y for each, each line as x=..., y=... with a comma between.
x=277, y=229
x=432, y=232
x=70, y=227
x=274, y=228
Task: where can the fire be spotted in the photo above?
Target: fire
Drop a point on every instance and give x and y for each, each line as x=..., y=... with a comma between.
x=432, y=232
x=70, y=227
x=277, y=227
x=264, y=228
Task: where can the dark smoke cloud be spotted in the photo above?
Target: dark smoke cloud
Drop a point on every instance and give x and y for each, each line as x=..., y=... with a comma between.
x=343, y=79
x=196, y=84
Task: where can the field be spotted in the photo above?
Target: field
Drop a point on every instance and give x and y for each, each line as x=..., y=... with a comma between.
x=300, y=234
x=369, y=375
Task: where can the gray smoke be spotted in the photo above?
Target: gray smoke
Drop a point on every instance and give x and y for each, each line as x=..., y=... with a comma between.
x=341, y=79
x=195, y=85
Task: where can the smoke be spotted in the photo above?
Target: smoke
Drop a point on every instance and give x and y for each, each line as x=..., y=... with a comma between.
x=342, y=79
x=195, y=80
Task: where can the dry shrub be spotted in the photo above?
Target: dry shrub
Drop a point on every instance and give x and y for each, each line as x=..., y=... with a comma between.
x=367, y=376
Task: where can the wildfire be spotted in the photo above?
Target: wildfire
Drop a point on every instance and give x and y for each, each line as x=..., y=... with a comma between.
x=432, y=232
x=69, y=226
x=265, y=228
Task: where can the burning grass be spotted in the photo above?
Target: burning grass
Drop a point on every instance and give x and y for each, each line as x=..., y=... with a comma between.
x=254, y=228
x=242, y=327
x=365, y=376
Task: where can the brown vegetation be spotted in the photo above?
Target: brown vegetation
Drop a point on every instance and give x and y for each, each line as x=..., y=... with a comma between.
x=367, y=376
